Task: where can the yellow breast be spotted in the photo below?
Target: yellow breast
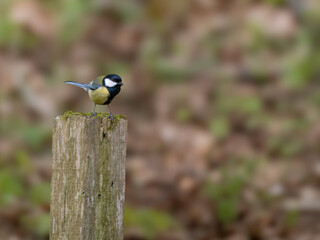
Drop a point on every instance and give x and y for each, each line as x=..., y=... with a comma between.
x=99, y=96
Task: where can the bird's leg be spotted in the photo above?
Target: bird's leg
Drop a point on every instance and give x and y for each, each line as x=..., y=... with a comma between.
x=110, y=115
x=94, y=110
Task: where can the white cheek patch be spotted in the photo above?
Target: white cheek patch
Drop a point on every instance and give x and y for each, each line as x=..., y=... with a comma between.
x=109, y=83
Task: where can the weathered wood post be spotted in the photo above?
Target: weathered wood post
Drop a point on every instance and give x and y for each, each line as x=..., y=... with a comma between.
x=88, y=177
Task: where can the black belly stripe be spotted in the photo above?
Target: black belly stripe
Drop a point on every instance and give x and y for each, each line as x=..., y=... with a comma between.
x=113, y=92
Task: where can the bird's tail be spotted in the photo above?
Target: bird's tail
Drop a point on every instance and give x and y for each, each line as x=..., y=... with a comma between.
x=81, y=85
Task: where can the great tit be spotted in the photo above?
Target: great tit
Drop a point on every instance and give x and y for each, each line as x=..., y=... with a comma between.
x=101, y=90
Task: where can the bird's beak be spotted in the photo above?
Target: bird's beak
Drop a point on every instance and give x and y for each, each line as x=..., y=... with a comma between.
x=120, y=83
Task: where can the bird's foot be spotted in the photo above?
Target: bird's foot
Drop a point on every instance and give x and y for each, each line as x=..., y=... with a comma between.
x=94, y=114
x=111, y=116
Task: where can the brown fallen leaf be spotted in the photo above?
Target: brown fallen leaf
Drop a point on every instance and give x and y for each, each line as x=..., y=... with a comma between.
x=34, y=17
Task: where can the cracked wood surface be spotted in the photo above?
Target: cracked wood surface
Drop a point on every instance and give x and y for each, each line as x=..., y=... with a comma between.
x=88, y=178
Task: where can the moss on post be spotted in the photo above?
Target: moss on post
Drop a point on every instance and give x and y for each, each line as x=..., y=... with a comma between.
x=88, y=177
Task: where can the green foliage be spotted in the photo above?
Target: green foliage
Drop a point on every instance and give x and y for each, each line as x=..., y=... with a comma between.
x=23, y=162
x=128, y=10
x=11, y=188
x=248, y=105
x=38, y=224
x=71, y=15
x=41, y=224
x=220, y=127
x=15, y=36
x=314, y=99
x=296, y=124
x=33, y=135
x=285, y=146
x=227, y=193
x=302, y=71
x=257, y=121
x=275, y=2
x=168, y=71
x=120, y=68
x=302, y=68
x=7, y=30
x=149, y=221
x=183, y=114
x=291, y=218
x=259, y=39
x=40, y=193
x=227, y=210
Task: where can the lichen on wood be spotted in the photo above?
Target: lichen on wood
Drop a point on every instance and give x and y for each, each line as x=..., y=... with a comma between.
x=88, y=177
x=69, y=114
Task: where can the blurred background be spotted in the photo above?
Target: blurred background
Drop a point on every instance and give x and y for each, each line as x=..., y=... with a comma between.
x=222, y=99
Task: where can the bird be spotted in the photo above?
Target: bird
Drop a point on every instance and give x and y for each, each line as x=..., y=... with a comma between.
x=102, y=90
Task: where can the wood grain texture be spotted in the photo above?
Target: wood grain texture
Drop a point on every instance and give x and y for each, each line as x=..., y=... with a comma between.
x=88, y=179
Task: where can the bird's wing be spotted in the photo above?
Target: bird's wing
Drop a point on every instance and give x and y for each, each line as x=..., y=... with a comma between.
x=95, y=84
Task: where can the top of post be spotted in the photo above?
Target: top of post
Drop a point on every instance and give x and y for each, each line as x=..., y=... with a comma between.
x=117, y=119
x=70, y=114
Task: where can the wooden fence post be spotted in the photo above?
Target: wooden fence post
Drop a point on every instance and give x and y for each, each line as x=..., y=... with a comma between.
x=88, y=177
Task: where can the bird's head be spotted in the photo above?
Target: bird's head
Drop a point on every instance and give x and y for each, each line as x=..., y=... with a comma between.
x=112, y=80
